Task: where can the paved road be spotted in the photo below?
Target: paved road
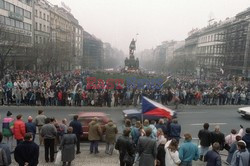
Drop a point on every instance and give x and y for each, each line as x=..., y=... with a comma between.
x=190, y=117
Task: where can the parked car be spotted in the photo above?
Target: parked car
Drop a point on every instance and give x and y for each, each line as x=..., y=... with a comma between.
x=135, y=115
x=244, y=112
x=86, y=117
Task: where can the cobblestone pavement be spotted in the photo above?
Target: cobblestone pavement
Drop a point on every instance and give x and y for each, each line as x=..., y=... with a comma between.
x=101, y=159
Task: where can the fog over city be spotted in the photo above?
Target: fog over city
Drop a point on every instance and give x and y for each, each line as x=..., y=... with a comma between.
x=118, y=21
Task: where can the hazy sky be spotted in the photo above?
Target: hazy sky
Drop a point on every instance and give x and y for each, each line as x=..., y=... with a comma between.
x=118, y=21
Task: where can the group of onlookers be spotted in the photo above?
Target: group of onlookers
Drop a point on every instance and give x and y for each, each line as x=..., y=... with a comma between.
x=149, y=145
x=146, y=144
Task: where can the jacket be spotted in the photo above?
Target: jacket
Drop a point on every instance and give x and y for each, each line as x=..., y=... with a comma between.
x=124, y=145
x=67, y=146
x=218, y=137
x=147, y=150
x=171, y=158
x=188, y=151
x=27, y=151
x=110, y=132
x=246, y=138
x=30, y=127
x=7, y=127
x=77, y=127
x=240, y=158
x=212, y=158
x=19, y=129
x=48, y=131
x=95, y=131
x=161, y=154
x=40, y=120
x=3, y=158
x=6, y=149
x=175, y=130
x=205, y=137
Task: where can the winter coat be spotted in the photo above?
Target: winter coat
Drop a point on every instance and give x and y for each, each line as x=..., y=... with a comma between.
x=171, y=158
x=30, y=127
x=48, y=131
x=240, y=158
x=8, y=125
x=27, y=151
x=77, y=127
x=67, y=146
x=110, y=132
x=231, y=151
x=205, y=137
x=188, y=151
x=218, y=137
x=147, y=150
x=246, y=138
x=161, y=154
x=6, y=149
x=212, y=158
x=19, y=129
x=95, y=131
x=124, y=145
x=175, y=131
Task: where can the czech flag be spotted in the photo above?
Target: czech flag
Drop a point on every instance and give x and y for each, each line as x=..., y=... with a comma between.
x=150, y=107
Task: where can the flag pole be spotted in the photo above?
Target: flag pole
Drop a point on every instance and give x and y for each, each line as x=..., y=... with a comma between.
x=142, y=110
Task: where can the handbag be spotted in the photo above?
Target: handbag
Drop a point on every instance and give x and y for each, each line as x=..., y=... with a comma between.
x=58, y=157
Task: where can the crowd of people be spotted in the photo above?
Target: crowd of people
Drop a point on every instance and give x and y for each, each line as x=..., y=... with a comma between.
x=73, y=89
x=147, y=144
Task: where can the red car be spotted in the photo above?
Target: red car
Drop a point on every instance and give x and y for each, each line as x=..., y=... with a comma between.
x=86, y=117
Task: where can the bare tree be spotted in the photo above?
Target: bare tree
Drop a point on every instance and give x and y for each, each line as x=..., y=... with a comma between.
x=8, y=42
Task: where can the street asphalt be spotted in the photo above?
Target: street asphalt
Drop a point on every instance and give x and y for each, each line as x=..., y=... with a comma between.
x=191, y=119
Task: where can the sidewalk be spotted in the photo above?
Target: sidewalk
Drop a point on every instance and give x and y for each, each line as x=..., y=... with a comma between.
x=100, y=159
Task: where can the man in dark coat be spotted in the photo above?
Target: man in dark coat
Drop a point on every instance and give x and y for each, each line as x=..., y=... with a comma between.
x=77, y=130
x=246, y=138
x=27, y=152
x=147, y=149
x=125, y=146
x=175, y=130
x=212, y=157
x=31, y=127
x=205, y=140
x=217, y=136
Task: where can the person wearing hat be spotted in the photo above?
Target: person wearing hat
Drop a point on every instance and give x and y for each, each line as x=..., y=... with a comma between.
x=7, y=130
x=240, y=156
x=31, y=127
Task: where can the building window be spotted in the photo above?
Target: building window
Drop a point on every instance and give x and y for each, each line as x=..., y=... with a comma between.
x=12, y=8
x=19, y=10
x=7, y=6
x=27, y=26
x=48, y=29
x=40, y=14
x=1, y=19
x=44, y=28
x=36, y=26
x=36, y=13
x=36, y=40
x=47, y=17
x=44, y=16
x=1, y=4
x=27, y=14
x=40, y=27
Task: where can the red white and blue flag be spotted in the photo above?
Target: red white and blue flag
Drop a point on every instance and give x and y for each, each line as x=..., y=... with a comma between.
x=150, y=107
